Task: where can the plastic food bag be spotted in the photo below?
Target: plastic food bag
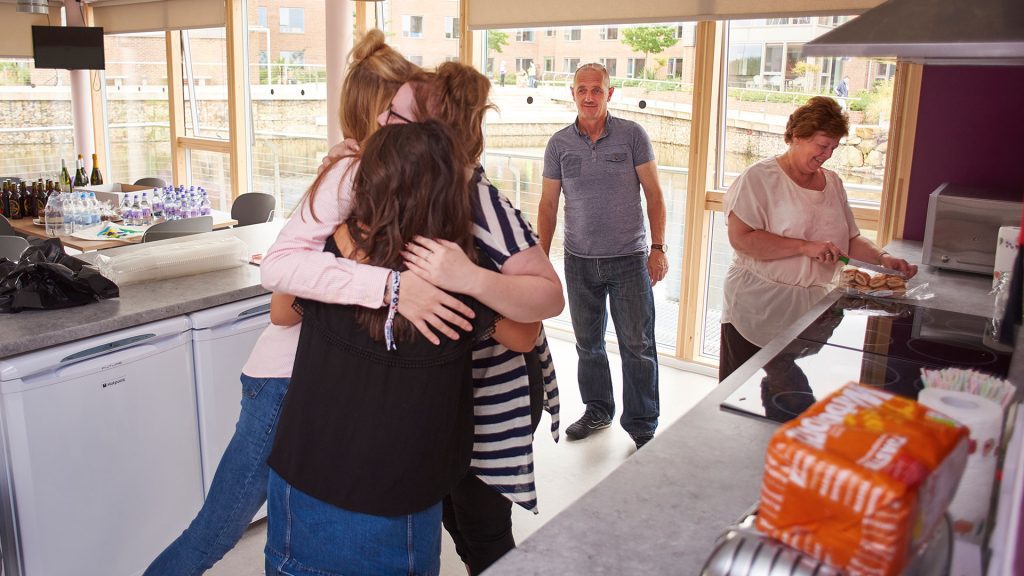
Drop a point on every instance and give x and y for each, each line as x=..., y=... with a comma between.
x=861, y=479
x=46, y=278
x=159, y=261
x=860, y=282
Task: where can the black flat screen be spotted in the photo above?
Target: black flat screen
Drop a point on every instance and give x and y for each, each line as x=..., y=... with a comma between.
x=68, y=47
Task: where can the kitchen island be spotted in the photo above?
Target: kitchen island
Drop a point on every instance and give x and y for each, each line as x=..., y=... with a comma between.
x=141, y=303
x=662, y=510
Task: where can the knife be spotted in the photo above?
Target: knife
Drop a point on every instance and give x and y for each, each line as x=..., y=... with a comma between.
x=872, y=267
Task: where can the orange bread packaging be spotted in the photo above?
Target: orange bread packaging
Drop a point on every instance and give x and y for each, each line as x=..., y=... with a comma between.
x=861, y=479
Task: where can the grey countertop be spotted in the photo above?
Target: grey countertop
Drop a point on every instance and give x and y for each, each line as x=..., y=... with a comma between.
x=140, y=303
x=662, y=510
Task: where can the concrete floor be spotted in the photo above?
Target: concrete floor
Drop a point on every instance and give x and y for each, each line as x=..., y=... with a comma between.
x=565, y=471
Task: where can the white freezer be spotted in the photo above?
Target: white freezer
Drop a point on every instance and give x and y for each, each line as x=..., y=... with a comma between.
x=222, y=339
x=100, y=452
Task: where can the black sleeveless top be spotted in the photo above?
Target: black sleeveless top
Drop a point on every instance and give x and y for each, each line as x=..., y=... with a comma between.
x=375, y=431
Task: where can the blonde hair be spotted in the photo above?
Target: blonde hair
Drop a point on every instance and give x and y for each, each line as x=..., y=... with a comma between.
x=375, y=72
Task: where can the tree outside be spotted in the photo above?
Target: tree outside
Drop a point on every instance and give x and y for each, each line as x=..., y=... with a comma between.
x=650, y=40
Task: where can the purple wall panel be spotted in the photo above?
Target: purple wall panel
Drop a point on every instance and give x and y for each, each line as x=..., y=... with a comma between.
x=970, y=130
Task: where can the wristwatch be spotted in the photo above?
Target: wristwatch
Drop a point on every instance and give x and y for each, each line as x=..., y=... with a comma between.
x=662, y=247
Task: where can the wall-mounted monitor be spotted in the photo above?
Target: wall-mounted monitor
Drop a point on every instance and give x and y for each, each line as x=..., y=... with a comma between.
x=68, y=47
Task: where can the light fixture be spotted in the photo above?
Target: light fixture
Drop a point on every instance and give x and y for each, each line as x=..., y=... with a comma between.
x=34, y=6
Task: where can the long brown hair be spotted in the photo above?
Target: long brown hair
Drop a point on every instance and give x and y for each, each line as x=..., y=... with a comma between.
x=457, y=95
x=408, y=184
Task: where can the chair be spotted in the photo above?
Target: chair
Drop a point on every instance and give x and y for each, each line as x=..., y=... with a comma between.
x=11, y=247
x=176, y=228
x=253, y=208
x=153, y=182
x=5, y=226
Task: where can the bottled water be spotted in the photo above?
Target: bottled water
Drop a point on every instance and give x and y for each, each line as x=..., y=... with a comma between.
x=54, y=216
x=83, y=219
x=68, y=211
x=145, y=211
x=204, y=204
x=136, y=211
x=158, y=204
x=95, y=210
x=170, y=206
x=126, y=210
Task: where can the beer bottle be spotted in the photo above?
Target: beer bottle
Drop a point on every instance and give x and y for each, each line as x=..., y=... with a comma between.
x=5, y=199
x=15, y=202
x=95, y=178
x=28, y=203
x=41, y=197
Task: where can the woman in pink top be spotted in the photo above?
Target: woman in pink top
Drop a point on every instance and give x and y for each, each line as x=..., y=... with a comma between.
x=239, y=487
x=789, y=222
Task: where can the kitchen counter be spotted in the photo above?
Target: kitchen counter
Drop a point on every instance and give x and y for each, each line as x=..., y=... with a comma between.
x=662, y=510
x=141, y=303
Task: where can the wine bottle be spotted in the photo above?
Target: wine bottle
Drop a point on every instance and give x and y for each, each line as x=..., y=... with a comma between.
x=95, y=178
x=80, y=178
x=65, y=178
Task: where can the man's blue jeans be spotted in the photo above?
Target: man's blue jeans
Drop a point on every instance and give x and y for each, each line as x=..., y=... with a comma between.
x=309, y=537
x=238, y=489
x=622, y=282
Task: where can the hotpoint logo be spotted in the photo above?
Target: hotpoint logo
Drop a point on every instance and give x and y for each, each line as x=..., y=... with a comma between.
x=110, y=383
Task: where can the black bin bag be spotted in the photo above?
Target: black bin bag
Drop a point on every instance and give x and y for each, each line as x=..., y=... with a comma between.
x=46, y=278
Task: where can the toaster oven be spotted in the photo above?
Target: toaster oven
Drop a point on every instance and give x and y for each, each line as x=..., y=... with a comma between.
x=963, y=224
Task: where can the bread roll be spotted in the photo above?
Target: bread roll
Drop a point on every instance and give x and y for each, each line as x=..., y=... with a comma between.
x=877, y=281
x=862, y=278
x=895, y=282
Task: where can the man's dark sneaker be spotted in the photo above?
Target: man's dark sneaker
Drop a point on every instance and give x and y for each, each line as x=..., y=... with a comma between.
x=587, y=425
x=641, y=440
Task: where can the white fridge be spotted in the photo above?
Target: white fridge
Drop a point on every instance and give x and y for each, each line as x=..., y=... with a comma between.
x=222, y=339
x=100, y=452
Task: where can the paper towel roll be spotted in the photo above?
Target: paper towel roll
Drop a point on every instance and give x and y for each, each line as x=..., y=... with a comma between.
x=1006, y=251
x=984, y=417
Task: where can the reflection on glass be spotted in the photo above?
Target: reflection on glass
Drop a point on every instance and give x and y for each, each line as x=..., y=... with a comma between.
x=138, y=124
x=769, y=77
x=35, y=119
x=204, y=66
x=212, y=171
x=288, y=96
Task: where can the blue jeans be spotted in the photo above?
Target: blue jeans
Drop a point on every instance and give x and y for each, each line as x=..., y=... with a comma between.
x=624, y=283
x=238, y=489
x=309, y=537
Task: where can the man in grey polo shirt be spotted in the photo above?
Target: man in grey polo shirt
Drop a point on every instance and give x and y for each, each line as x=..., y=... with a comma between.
x=601, y=163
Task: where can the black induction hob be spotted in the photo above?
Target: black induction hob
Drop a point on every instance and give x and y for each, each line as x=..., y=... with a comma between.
x=880, y=343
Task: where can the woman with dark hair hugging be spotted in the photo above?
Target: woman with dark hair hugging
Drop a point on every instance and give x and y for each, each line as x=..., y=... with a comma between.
x=377, y=426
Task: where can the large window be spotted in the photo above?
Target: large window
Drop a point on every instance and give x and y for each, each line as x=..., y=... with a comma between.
x=35, y=120
x=516, y=138
x=138, y=123
x=288, y=103
x=764, y=77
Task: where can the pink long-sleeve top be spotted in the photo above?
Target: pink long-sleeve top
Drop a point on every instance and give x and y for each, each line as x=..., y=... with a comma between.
x=296, y=264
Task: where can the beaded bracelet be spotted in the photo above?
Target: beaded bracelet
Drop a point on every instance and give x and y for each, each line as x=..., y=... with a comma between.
x=389, y=324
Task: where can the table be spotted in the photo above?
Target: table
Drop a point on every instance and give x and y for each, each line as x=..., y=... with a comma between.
x=25, y=226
